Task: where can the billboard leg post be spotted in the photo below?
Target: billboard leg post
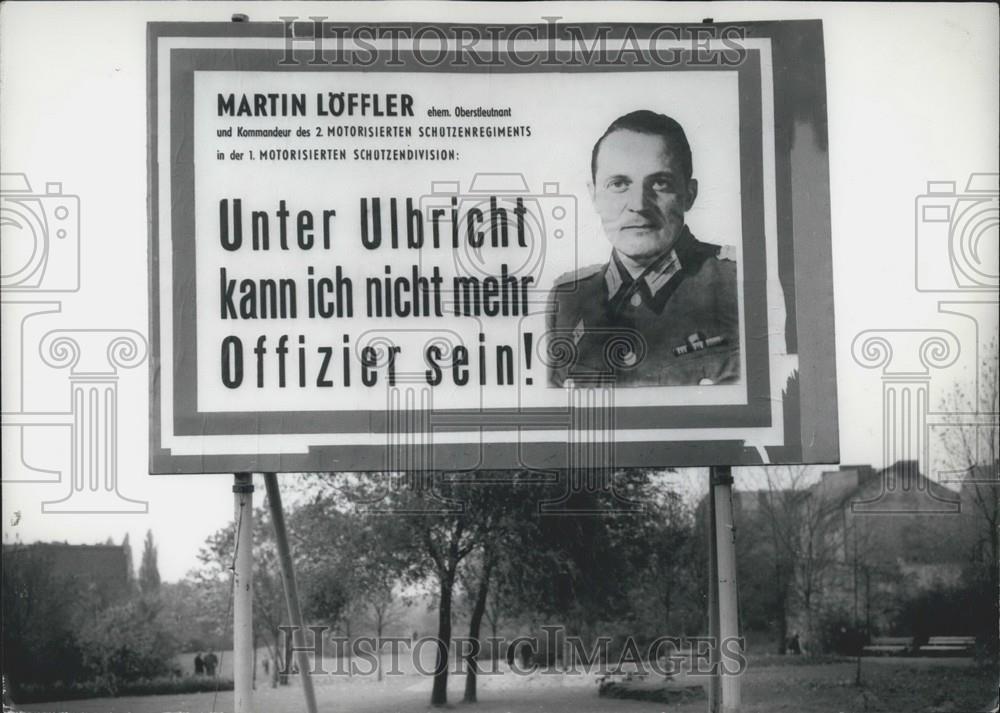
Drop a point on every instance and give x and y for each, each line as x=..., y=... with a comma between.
x=243, y=594
x=713, y=600
x=728, y=605
x=291, y=591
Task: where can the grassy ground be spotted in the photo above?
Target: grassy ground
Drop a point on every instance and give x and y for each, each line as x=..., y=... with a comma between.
x=888, y=686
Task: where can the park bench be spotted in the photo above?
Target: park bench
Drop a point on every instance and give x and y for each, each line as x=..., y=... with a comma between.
x=889, y=646
x=949, y=646
x=622, y=676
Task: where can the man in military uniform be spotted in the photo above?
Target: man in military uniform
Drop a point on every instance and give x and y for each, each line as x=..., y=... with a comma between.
x=664, y=310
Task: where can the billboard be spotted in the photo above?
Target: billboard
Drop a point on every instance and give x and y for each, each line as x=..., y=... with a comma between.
x=434, y=246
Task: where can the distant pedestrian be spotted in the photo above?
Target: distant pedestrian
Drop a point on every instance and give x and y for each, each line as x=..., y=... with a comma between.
x=199, y=665
x=211, y=661
x=793, y=644
x=267, y=666
x=527, y=655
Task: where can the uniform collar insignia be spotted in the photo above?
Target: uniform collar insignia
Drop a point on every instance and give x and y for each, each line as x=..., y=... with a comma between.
x=622, y=286
x=662, y=272
x=656, y=286
x=613, y=279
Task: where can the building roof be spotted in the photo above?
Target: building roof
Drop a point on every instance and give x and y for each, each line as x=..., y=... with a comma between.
x=103, y=565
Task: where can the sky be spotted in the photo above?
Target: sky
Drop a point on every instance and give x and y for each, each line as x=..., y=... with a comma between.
x=912, y=97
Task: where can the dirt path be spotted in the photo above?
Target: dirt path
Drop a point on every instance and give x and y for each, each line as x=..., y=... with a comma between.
x=888, y=687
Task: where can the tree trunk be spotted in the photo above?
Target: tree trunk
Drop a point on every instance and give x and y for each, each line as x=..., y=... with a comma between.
x=782, y=624
x=378, y=641
x=995, y=570
x=475, y=622
x=439, y=694
x=350, y=653
x=868, y=604
x=780, y=593
x=288, y=660
x=667, y=601
x=813, y=647
x=273, y=666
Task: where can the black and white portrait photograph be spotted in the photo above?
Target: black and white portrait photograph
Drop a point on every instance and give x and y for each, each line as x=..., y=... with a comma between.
x=675, y=294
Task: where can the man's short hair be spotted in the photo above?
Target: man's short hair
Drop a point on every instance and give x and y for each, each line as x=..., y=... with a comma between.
x=645, y=121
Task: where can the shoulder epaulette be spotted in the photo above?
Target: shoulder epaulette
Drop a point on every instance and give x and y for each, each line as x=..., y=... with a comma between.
x=580, y=274
x=727, y=252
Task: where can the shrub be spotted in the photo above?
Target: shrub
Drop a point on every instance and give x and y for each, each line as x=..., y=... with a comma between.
x=839, y=634
x=160, y=685
x=38, y=619
x=127, y=642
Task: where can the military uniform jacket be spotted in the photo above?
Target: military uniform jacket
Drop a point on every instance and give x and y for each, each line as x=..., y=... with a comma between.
x=677, y=324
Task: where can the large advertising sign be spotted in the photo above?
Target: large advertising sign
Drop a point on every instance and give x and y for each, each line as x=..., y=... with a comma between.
x=412, y=246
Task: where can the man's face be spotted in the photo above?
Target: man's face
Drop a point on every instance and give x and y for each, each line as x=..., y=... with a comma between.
x=640, y=193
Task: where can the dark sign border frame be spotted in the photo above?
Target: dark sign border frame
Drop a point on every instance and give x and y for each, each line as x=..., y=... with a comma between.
x=809, y=401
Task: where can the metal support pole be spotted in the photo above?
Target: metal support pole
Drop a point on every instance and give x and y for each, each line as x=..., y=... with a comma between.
x=291, y=591
x=725, y=537
x=243, y=595
x=714, y=693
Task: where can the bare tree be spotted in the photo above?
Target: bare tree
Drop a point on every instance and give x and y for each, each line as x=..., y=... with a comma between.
x=803, y=528
x=446, y=543
x=496, y=607
x=385, y=604
x=477, y=578
x=430, y=529
x=213, y=580
x=972, y=448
